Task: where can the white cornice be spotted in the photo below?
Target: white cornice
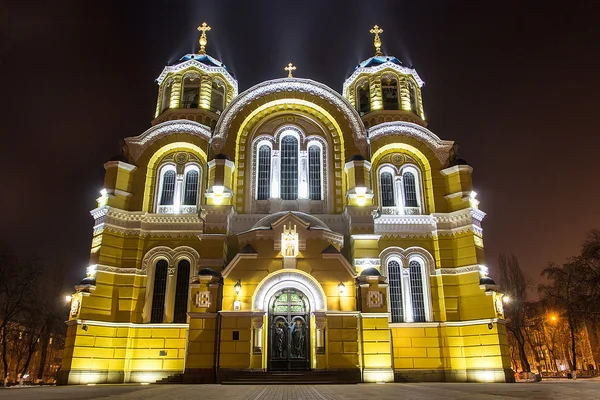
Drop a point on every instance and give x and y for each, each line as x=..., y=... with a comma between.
x=370, y=70
x=441, y=148
x=289, y=85
x=120, y=164
x=203, y=67
x=138, y=144
x=456, y=168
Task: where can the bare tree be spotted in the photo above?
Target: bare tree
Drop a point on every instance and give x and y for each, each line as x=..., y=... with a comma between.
x=515, y=286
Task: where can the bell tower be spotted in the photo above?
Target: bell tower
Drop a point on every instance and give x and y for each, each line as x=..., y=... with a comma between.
x=382, y=89
x=197, y=87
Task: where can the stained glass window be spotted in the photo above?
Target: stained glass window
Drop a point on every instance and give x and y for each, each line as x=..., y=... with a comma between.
x=263, y=190
x=289, y=168
x=386, y=182
x=314, y=172
x=395, y=287
x=158, y=296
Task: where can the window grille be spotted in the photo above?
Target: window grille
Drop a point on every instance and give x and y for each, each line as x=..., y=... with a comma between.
x=410, y=190
x=314, y=173
x=416, y=289
x=263, y=191
x=168, y=189
x=289, y=168
x=395, y=287
x=181, y=292
x=387, y=189
x=160, y=287
x=191, y=188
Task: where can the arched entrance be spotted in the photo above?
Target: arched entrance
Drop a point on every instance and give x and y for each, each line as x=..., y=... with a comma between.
x=289, y=331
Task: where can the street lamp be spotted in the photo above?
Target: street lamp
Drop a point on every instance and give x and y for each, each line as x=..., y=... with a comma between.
x=238, y=286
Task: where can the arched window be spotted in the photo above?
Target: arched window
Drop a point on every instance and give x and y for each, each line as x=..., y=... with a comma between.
x=363, y=97
x=167, y=192
x=191, y=188
x=181, y=292
x=416, y=290
x=394, y=271
x=414, y=100
x=314, y=172
x=166, y=97
x=160, y=288
x=289, y=168
x=410, y=190
x=190, y=94
x=263, y=187
x=217, y=98
x=389, y=90
x=387, y=189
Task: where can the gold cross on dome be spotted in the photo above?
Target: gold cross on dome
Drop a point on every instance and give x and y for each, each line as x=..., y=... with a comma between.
x=289, y=69
x=203, y=28
x=377, y=42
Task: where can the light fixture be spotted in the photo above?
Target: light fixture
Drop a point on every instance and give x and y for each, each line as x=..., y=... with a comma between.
x=68, y=298
x=341, y=287
x=238, y=286
x=506, y=299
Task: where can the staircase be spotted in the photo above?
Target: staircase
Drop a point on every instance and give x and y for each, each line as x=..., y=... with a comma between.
x=289, y=377
x=171, y=379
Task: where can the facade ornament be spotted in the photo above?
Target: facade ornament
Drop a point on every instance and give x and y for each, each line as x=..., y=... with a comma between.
x=203, y=41
x=289, y=70
x=377, y=41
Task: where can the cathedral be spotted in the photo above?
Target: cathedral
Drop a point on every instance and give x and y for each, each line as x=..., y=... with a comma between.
x=288, y=230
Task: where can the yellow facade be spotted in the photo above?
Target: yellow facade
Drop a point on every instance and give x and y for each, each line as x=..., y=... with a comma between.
x=287, y=228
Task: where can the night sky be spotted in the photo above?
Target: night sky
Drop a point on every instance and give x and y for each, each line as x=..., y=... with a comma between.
x=516, y=84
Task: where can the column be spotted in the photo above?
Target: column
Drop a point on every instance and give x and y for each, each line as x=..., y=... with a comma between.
x=303, y=175
x=320, y=322
x=398, y=194
x=177, y=194
x=175, y=92
x=275, y=179
x=205, y=92
x=257, y=322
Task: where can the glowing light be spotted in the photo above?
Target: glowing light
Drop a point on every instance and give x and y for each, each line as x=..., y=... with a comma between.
x=218, y=191
x=103, y=199
x=237, y=305
x=342, y=288
x=289, y=242
x=473, y=199
x=238, y=286
x=144, y=383
x=506, y=299
x=553, y=318
x=68, y=298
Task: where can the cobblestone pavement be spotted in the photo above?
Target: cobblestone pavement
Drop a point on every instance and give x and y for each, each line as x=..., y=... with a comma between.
x=581, y=389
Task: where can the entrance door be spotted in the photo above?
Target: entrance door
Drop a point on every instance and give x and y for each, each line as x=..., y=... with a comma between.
x=289, y=340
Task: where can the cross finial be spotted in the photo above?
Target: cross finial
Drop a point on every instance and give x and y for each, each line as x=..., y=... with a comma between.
x=289, y=69
x=203, y=28
x=377, y=42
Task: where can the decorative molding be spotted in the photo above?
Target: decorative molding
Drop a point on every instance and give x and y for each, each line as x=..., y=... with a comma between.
x=173, y=256
x=202, y=67
x=367, y=262
x=456, y=168
x=138, y=144
x=289, y=278
x=132, y=324
x=289, y=85
x=386, y=65
x=441, y=148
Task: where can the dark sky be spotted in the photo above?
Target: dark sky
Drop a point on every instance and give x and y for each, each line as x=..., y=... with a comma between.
x=516, y=83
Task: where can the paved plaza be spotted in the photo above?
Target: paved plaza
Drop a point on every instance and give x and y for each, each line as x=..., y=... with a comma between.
x=581, y=389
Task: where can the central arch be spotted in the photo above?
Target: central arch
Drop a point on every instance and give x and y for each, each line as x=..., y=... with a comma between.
x=284, y=279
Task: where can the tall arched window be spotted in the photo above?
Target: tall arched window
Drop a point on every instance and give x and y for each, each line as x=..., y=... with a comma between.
x=167, y=192
x=416, y=290
x=166, y=97
x=181, y=292
x=410, y=190
x=363, y=97
x=190, y=94
x=160, y=288
x=289, y=168
x=191, y=188
x=414, y=100
x=217, y=99
x=263, y=187
x=394, y=271
x=387, y=189
x=389, y=90
x=314, y=172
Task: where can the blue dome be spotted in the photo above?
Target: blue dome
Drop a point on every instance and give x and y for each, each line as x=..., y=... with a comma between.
x=204, y=59
x=378, y=60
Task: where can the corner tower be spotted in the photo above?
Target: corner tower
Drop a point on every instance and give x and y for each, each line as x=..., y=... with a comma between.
x=197, y=87
x=382, y=89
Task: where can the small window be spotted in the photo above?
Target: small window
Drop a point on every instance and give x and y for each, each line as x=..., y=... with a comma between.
x=314, y=172
x=289, y=168
x=191, y=188
x=158, y=295
x=410, y=190
x=168, y=188
x=387, y=189
x=263, y=191
x=395, y=287
x=363, y=97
